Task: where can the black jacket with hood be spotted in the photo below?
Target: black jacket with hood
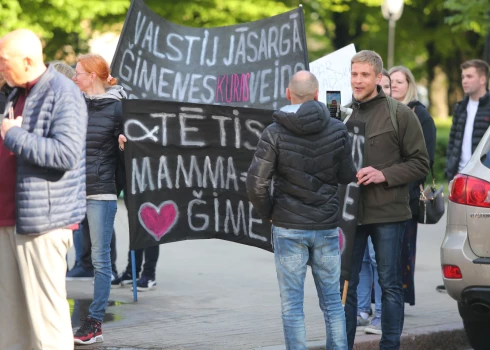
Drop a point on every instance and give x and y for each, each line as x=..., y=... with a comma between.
x=306, y=155
x=429, y=130
x=104, y=127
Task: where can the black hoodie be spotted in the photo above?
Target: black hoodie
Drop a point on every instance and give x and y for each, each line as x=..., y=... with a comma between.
x=306, y=154
x=429, y=130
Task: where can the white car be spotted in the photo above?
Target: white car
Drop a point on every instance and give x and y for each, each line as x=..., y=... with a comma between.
x=465, y=251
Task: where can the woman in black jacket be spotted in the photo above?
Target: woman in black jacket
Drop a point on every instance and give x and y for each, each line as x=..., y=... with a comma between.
x=404, y=90
x=104, y=107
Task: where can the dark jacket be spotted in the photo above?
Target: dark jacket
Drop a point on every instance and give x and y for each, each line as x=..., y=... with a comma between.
x=306, y=154
x=104, y=127
x=401, y=158
x=429, y=131
x=50, y=152
x=480, y=126
x=5, y=91
x=3, y=100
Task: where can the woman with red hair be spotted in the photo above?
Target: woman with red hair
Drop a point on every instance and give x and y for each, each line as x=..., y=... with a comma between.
x=104, y=107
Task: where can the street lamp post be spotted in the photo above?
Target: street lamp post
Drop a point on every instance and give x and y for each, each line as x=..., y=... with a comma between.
x=392, y=11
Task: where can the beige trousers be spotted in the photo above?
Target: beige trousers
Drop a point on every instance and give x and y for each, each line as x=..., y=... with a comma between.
x=34, y=311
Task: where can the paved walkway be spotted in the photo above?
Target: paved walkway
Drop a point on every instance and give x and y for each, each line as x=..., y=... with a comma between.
x=217, y=295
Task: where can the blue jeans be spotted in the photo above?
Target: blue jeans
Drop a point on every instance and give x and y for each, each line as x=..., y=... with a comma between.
x=100, y=216
x=77, y=243
x=368, y=276
x=293, y=249
x=387, y=241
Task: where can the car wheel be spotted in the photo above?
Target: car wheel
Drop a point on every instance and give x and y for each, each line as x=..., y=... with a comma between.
x=476, y=328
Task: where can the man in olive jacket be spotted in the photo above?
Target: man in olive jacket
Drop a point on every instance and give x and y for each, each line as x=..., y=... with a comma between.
x=391, y=161
x=306, y=154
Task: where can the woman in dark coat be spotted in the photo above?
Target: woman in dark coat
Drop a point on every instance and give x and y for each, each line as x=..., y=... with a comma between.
x=104, y=108
x=404, y=90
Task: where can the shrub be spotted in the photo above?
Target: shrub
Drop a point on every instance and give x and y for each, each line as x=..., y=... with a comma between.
x=443, y=127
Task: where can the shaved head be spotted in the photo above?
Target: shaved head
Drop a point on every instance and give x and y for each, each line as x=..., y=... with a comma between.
x=21, y=57
x=302, y=87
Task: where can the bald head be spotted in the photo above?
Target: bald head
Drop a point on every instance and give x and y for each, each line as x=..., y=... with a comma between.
x=21, y=57
x=302, y=87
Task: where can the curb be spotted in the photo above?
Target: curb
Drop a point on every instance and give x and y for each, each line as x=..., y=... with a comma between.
x=447, y=337
x=444, y=337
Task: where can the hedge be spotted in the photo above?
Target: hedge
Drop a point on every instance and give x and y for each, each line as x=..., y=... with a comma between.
x=443, y=127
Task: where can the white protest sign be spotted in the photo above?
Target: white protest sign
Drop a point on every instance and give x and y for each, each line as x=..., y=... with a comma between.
x=333, y=73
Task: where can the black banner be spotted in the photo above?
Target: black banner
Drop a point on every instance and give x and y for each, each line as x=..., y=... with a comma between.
x=186, y=166
x=248, y=64
x=349, y=198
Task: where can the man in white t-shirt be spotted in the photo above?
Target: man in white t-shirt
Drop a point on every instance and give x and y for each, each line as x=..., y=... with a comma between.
x=471, y=117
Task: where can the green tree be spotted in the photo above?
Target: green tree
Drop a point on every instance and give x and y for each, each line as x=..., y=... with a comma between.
x=473, y=16
x=65, y=26
x=212, y=13
x=431, y=35
x=425, y=41
x=469, y=15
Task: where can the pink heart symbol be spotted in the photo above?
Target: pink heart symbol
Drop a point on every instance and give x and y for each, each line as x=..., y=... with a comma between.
x=341, y=240
x=158, y=221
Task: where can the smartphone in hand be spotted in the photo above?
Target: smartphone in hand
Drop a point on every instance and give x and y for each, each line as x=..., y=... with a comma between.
x=333, y=103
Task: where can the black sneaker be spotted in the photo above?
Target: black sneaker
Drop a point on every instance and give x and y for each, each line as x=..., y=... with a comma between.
x=145, y=283
x=122, y=280
x=90, y=332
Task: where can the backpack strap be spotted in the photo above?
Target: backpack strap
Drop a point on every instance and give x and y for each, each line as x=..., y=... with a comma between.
x=392, y=104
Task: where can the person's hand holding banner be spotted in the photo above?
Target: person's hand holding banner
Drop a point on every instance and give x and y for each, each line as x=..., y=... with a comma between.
x=122, y=139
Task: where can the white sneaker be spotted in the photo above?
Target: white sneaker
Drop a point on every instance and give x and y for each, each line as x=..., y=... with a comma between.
x=374, y=327
x=144, y=284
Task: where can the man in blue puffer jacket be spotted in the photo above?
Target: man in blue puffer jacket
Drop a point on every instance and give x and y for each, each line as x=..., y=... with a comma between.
x=42, y=195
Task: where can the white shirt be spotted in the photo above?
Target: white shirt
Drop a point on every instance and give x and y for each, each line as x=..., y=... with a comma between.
x=468, y=133
x=291, y=108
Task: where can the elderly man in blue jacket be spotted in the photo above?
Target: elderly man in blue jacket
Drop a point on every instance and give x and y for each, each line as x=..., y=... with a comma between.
x=42, y=156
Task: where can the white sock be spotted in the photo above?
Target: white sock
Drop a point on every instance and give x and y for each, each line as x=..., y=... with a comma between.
x=364, y=315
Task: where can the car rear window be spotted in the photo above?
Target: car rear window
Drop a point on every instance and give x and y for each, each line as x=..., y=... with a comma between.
x=485, y=159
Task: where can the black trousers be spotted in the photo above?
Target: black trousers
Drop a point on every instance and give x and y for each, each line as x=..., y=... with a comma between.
x=151, y=259
x=86, y=259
